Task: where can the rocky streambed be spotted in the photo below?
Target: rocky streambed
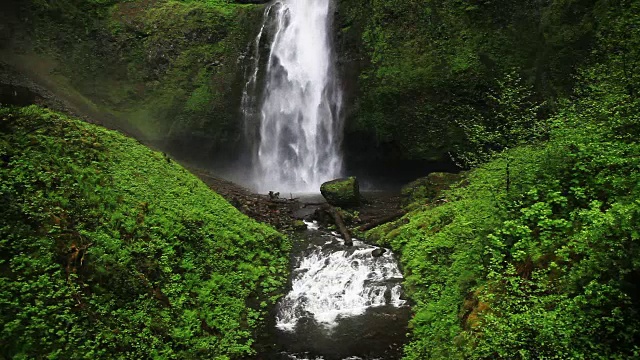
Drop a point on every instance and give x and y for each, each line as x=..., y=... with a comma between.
x=287, y=212
x=343, y=302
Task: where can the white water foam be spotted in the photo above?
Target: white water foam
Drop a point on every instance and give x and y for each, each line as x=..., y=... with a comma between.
x=333, y=285
x=396, y=294
x=312, y=225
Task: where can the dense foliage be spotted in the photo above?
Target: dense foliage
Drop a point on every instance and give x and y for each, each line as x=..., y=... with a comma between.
x=111, y=250
x=536, y=254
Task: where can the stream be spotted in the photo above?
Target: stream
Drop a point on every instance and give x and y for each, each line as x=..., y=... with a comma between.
x=342, y=303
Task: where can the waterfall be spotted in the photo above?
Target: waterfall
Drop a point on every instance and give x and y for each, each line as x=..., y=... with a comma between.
x=292, y=102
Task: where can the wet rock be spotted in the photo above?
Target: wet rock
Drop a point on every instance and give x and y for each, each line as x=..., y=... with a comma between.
x=342, y=192
x=428, y=188
x=16, y=95
x=305, y=213
x=322, y=217
x=378, y=252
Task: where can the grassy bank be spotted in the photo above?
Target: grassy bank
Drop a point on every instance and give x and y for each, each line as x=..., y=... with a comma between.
x=111, y=250
x=535, y=255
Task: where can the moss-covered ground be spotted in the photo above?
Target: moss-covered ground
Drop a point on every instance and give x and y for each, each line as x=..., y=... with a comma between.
x=111, y=250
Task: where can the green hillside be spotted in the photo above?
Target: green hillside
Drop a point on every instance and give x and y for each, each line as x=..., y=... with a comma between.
x=110, y=250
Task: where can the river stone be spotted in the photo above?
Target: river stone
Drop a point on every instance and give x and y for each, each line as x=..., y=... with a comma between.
x=299, y=225
x=378, y=252
x=342, y=192
x=429, y=188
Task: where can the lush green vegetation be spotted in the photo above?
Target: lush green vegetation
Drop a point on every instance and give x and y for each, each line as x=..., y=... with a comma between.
x=108, y=249
x=111, y=250
x=536, y=254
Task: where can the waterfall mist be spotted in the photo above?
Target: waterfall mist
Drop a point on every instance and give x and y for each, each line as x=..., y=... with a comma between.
x=292, y=102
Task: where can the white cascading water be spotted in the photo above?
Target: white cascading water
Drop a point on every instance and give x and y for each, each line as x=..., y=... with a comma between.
x=299, y=101
x=330, y=285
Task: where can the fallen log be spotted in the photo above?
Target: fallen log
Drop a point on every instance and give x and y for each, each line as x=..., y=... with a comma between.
x=342, y=228
x=382, y=220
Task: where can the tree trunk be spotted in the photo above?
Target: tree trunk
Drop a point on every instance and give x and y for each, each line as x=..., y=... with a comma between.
x=342, y=228
x=382, y=220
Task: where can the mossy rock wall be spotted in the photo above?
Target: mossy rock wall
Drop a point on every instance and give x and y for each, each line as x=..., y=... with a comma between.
x=416, y=75
x=419, y=74
x=169, y=72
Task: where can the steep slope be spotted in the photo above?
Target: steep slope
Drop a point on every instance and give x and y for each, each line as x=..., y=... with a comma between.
x=111, y=250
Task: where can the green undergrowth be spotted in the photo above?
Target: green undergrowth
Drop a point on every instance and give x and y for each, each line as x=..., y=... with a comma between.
x=111, y=250
x=543, y=269
x=536, y=255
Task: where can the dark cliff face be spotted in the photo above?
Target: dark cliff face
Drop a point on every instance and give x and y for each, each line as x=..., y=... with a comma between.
x=377, y=159
x=8, y=20
x=417, y=76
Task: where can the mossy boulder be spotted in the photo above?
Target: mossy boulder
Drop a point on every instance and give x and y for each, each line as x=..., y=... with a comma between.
x=342, y=192
x=428, y=188
x=299, y=225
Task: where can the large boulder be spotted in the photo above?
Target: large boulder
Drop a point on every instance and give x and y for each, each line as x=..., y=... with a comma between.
x=429, y=188
x=342, y=192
